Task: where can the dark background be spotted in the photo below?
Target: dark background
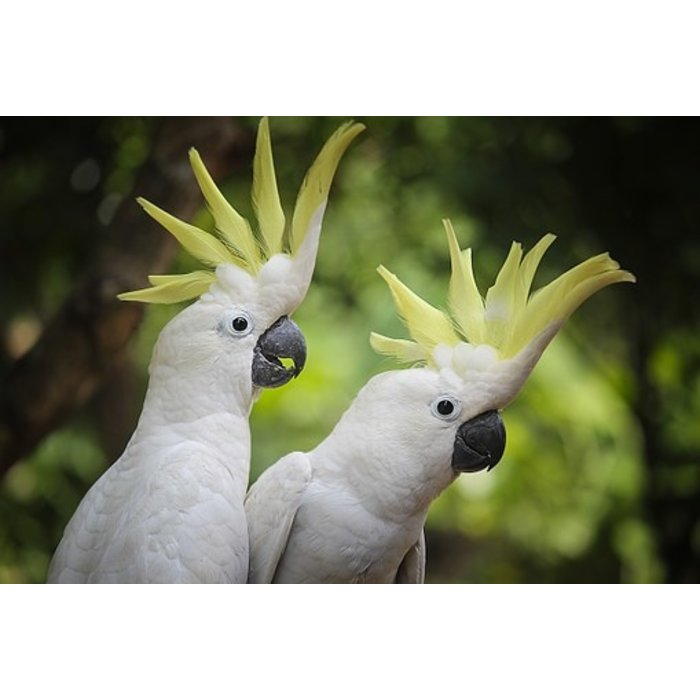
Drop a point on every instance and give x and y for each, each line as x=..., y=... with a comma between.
x=601, y=478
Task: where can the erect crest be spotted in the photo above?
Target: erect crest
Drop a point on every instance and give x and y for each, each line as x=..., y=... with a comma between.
x=234, y=241
x=503, y=324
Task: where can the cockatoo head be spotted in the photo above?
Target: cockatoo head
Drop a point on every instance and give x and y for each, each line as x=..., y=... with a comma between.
x=240, y=323
x=420, y=428
x=474, y=360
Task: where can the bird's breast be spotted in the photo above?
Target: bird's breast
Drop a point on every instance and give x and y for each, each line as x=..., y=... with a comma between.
x=335, y=539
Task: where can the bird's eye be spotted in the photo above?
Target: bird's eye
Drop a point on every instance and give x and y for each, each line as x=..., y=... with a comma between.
x=237, y=323
x=446, y=408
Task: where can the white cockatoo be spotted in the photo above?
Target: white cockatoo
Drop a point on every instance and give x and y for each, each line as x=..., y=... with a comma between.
x=170, y=509
x=353, y=509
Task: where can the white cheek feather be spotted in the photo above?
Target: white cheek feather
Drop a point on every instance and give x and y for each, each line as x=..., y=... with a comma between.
x=479, y=358
x=233, y=283
x=276, y=269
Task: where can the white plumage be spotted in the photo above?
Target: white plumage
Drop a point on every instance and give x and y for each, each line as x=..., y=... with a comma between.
x=352, y=510
x=170, y=509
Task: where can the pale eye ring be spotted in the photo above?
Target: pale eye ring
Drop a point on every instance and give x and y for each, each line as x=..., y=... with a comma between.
x=238, y=324
x=446, y=408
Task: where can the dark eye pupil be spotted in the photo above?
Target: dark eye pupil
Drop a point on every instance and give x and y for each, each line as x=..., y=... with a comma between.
x=444, y=408
x=239, y=323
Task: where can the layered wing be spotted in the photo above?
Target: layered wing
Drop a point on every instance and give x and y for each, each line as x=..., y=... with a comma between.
x=271, y=506
x=412, y=568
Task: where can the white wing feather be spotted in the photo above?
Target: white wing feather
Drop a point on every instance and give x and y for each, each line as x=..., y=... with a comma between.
x=412, y=568
x=271, y=506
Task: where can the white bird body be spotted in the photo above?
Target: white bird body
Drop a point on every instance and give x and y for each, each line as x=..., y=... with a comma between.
x=353, y=509
x=337, y=538
x=170, y=509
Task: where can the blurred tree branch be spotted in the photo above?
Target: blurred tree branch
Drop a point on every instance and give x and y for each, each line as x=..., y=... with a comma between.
x=87, y=339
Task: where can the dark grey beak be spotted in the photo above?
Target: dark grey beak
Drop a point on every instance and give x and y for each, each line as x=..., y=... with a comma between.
x=479, y=443
x=282, y=340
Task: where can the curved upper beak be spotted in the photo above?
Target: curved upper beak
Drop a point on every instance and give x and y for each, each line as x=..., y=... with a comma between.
x=281, y=341
x=479, y=443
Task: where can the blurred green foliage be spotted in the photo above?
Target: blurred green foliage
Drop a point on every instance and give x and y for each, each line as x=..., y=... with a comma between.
x=601, y=476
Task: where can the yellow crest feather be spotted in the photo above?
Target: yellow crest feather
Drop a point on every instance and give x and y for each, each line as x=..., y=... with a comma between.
x=266, y=198
x=234, y=229
x=465, y=302
x=561, y=297
x=317, y=183
x=510, y=317
x=234, y=241
x=200, y=244
x=171, y=289
x=531, y=262
x=427, y=325
x=501, y=298
x=403, y=350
